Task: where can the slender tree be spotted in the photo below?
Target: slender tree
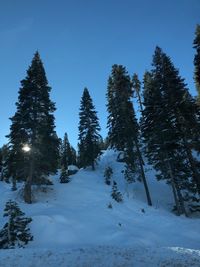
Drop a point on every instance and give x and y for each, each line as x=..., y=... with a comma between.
x=196, y=46
x=123, y=133
x=89, y=137
x=33, y=130
x=137, y=89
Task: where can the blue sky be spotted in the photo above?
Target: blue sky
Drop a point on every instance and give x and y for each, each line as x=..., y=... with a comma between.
x=80, y=40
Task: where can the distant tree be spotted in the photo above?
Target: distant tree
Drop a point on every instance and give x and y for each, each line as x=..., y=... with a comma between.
x=137, y=89
x=72, y=156
x=15, y=232
x=67, y=153
x=65, y=150
x=123, y=129
x=196, y=46
x=33, y=126
x=1, y=162
x=89, y=137
x=64, y=177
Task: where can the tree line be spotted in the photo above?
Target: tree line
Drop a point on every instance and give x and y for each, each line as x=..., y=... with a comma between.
x=167, y=133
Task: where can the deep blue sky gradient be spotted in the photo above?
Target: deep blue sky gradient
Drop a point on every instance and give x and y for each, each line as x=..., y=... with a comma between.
x=79, y=41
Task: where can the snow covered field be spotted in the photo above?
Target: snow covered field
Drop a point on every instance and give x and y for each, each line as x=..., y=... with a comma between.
x=73, y=226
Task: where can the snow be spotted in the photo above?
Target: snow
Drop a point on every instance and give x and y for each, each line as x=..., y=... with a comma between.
x=73, y=226
x=73, y=168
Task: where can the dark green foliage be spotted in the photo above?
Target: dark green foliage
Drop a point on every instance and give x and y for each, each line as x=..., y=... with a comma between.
x=137, y=89
x=67, y=153
x=65, y=147
x=72, y=156
x=33, y=124
x=110, y=206
x=108, y=175
x=1, y=163
x=6, y=164
x=64, y=178
x=129, y=173
x=116, y=195
x=15, y=232
x=170, y=126
x=89, y=137
x=123, y=129
x=196, y=44
x=122, y=124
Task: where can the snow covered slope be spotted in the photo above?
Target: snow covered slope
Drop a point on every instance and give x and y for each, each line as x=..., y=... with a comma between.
x=73, y=226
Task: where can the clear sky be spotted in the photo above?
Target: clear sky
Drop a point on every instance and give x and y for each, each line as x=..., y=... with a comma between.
x=79, y=41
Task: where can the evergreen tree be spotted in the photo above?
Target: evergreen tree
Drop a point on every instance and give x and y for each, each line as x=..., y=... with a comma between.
x=33, y=126
x=72, y=157
x=170, y=124
x=64, y=177
x=196, y=44
x=89, y=137
x=137, y=89
x=116, y=195
x=15, y=232
x=108, y=174
x=123, y=129
x=65, y=151
x=6, y=164
x=1, y=163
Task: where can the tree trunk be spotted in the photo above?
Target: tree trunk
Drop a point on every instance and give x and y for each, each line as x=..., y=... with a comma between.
x=14, y=185
x=182, y=127
x=179, y=202
x=172, y=180
x=28, y=184
x=196, y=175
x=139, y=100
x=143, y=174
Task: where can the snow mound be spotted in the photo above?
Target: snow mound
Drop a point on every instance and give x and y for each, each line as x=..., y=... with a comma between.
x=73, y=226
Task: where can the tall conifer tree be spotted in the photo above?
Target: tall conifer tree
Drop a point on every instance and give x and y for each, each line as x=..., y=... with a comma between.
x=196, y=44
x=123, y=128
x=170, y=125
x=89, y=137
x=33, y=126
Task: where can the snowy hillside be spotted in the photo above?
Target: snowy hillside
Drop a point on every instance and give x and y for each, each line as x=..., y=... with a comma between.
x=73, y=226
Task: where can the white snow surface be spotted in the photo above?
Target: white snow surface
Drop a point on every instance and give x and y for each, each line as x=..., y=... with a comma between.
x=73, y=226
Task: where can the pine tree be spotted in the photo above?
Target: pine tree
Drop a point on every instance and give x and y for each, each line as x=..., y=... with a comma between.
x=170, y=125
x=137, y=89
x=64, y=177
x=6, y=164
x=33, y=126
x=15, y=232
x=65, y=151
x=116, y=195
x=123, y=129
x=89, y=137
x=1, y=163
x=196, y=46
x=108, y=174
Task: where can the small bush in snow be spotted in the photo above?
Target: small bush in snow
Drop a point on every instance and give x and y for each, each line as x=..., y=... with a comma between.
x=64, y=178
x=116, y=195
x=108, y=174
x=110, y=206
x=15, y=232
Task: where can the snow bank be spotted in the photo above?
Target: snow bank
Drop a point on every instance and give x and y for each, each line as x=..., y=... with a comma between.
x=73, y=226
